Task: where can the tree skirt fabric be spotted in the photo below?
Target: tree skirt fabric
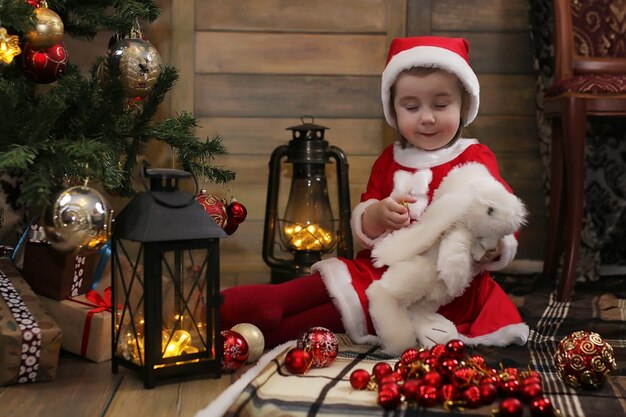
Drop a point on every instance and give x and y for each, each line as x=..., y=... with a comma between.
x=268, y=389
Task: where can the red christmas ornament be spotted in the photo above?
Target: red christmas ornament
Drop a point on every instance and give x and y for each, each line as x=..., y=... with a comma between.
x=409, y=356
x=214, y=206
x=455, y=349
x=510, y=388
x=392, y=378
x=34, y=3
x=236, y=212
x=389, y=396
x=437, y=351
x=531, y=391
x=472, y=397
x=432, y=378
x=477, y=361
x=450, y=393
x=359, y=379
x=462, y=377
x=511, y=407
x=298, y=361
x=584, y=359
x=403, y=369
x=532, y=379
x=427, y=396
x=542, y=407
x=323, y=345
x=410, y=389
x=235, y=351
x=447, y=366
x=230, y=228
x=44, y=66
x=381, y=369
x=488, y=392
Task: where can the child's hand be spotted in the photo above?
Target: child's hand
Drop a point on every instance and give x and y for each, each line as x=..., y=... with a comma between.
x=491, y=254
x=390, y=213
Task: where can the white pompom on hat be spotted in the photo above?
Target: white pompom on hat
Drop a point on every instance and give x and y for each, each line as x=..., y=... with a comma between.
x=449, y=54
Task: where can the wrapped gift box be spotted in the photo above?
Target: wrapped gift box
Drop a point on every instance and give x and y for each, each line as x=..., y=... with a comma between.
x=30, y=339
x=86, y=324
x=54, y=274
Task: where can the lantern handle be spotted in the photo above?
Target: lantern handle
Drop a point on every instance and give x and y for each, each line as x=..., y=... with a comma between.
x=174, y=173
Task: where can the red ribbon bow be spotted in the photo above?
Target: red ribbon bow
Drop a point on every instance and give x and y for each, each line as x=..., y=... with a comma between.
x=100, y=304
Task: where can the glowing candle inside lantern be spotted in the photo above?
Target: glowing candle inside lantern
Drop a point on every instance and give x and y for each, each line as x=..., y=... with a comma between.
x=177, y=344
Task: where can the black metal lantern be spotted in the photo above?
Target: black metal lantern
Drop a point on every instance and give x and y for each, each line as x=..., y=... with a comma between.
x=307, y=229
x=165, y=284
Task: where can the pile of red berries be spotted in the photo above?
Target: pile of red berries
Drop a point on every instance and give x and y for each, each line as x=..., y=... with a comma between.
x=446, y=375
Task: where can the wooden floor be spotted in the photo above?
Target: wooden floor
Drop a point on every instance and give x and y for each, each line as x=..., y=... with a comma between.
x=86, y=389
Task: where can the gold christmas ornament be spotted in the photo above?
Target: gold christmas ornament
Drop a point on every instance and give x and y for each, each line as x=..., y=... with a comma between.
x=48, y=31
x=138, y=63
x=254, y=337
x=9, y=46
x=78, y=220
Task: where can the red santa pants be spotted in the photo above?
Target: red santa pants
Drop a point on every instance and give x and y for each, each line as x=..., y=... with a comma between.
x=281, y=311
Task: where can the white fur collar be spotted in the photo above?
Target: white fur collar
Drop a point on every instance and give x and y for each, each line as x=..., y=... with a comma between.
x=412, y=157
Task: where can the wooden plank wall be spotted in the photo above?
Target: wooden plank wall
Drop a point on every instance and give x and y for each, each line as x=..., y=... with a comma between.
x=260, y=66
x=251, y=69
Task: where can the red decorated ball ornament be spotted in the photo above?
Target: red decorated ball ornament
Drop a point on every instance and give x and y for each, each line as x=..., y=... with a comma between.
x=298, y=361
x=44, y=66
x=235, y=351
x=323, y=345
x=214, y=206
x=236, y=212
x=584, y=359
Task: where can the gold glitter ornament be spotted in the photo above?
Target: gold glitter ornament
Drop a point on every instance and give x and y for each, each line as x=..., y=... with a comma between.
x=138, y=63
x=48, y=31
x=78, y=220
x=9, y=46
x=584, y=360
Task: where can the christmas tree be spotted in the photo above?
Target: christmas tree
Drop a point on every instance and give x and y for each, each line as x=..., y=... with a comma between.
x=59, y=125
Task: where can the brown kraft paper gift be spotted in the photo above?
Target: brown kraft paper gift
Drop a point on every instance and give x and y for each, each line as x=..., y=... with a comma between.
x=30, y=339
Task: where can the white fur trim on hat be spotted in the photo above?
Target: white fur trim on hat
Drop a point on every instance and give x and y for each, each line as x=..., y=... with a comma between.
x=430, y=57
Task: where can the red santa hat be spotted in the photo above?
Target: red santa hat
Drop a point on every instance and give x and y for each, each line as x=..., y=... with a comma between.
x=449, y=54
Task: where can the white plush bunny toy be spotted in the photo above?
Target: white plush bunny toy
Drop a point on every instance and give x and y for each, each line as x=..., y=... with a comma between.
x=433, y=260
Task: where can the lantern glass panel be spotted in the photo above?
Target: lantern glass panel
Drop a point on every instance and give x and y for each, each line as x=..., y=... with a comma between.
x=181, y=322
x=308, y=224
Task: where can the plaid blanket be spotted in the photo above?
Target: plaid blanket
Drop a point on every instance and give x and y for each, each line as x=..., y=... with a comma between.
x=270, y=390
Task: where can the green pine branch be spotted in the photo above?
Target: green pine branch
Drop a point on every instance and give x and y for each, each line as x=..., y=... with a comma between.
x=81, y=127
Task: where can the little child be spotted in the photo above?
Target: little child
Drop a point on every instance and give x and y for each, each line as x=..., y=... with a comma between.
x=429, y=93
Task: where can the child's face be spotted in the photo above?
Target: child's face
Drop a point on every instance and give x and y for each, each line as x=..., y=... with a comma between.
x=428, y=108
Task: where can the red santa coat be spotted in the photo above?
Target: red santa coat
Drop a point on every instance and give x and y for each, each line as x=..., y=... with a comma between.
x=483, y=314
